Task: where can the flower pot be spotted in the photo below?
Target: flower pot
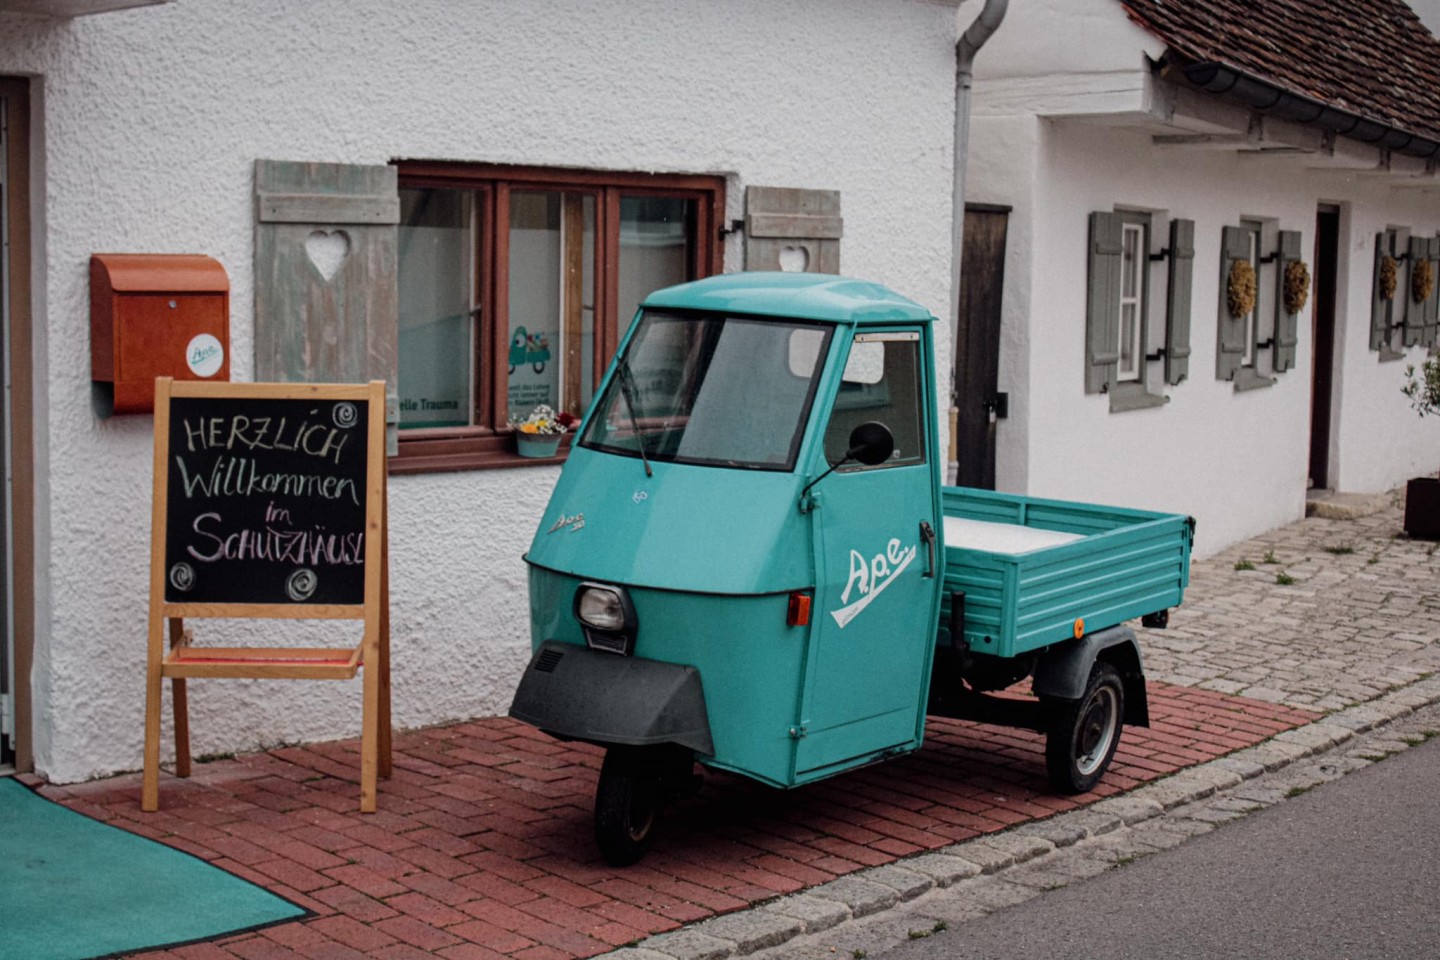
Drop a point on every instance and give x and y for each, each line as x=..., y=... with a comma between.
x=537, y=444
x=1422, y=508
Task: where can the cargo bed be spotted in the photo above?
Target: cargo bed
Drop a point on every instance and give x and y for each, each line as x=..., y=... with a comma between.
x=1036, y=572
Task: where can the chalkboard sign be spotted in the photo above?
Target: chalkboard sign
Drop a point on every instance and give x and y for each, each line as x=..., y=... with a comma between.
x=269, y=503
x=266, y=501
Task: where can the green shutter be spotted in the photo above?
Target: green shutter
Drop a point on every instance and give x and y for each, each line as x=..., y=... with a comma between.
x=1102, y=314
x=1286, y=323
x=1432, y=303
x=1230, y=331
x=1177, y=300
x=1418, y=248
x=1380, y=308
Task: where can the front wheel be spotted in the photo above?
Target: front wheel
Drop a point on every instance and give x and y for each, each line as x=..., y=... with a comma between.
x=627, y=804
x=1084, y=733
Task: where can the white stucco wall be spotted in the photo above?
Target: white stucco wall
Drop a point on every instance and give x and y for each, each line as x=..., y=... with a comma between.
x=1237, y=461
x=148, y=126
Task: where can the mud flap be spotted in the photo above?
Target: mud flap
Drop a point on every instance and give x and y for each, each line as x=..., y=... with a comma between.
x=576, y=693
x=1064, y=670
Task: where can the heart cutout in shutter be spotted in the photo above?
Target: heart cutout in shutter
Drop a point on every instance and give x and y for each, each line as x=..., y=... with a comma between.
x=327, y=251
x=794, y=260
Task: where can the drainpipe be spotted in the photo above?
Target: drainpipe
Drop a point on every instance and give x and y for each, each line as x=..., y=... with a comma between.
x=966, y=47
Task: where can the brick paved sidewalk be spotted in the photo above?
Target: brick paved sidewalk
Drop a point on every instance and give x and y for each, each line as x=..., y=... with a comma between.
x=482, y=847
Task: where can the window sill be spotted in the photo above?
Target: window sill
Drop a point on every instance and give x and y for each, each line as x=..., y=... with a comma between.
x=1134, y=396
x=1247, y=379
x=437, y=453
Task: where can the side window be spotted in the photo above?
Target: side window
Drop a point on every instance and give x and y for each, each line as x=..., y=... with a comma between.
x=882, y=382
x=1120, y=344
x=1249, y=324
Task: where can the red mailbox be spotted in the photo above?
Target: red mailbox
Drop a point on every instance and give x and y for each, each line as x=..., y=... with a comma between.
x=155, y=315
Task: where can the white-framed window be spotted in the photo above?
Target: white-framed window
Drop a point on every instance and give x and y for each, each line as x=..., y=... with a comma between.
x=1134, y=290
x=1123, y=353
x=1254, y=230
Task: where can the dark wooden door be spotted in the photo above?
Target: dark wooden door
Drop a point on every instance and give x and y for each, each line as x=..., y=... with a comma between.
x=977, y=347
x=1322, y=320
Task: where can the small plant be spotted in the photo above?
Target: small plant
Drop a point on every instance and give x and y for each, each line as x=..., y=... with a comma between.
x=919, y=934
x=859, y=954
x=212, y=757
x=1284, y=579
x=1294, y=792
x=1374, y=558
x=940, y=927
x=1340, y=550
x=543, y=421
x=1243, y=564
x=1423, y=386
x=1269, y=557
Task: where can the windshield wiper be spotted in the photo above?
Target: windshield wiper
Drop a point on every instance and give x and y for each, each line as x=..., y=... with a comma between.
x=622, y=370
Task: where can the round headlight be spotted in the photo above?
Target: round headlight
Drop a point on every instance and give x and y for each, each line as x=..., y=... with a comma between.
x=600, y=609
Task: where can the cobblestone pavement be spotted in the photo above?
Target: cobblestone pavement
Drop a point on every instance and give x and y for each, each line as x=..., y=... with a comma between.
x=1361, y=616
x=482, y=846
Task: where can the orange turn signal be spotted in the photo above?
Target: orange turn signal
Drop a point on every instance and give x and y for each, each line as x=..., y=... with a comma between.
x=1079, y=628
x=797, y=614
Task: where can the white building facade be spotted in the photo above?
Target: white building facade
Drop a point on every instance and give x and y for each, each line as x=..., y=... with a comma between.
x=553, y=161
x=1071, y=119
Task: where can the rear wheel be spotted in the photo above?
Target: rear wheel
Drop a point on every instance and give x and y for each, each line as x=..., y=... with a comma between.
x=627, y=803
x=1084, y=733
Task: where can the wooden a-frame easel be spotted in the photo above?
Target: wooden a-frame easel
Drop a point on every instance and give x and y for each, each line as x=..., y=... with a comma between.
x=185, y=660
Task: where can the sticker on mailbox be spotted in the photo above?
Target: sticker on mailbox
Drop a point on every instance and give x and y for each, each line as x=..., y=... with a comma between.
x=205, y=355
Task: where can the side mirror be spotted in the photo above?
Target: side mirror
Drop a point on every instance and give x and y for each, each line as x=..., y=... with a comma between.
x=871, y=443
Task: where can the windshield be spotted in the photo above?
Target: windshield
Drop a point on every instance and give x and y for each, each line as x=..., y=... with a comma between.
x=707, y=389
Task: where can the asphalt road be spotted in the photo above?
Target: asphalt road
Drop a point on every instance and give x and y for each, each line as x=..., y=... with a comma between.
x=1349, y=870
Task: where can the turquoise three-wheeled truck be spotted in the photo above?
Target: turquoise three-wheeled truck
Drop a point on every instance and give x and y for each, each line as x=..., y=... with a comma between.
x=750, y=561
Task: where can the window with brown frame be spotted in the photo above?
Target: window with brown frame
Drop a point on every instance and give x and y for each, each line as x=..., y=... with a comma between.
x=515, y=285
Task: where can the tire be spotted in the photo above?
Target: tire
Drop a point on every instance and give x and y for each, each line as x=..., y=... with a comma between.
x=627, y=804
x=1084, y=733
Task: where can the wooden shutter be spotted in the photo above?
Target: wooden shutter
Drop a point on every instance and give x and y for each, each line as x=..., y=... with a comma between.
x=1102, y=312
x=1414, y=316
x=790, y=229
x=325, y=275
x=1177, y=300
x=1230, y=331
x=1286, y=324
x=1380, y=308
x=1431, y=308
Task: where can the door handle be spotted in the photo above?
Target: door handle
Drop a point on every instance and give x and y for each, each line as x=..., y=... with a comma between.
x=927, y=536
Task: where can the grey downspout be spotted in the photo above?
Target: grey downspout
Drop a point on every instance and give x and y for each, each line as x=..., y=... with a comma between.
x=966, y=47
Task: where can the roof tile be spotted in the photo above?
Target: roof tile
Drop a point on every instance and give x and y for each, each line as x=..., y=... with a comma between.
x=1369, y=57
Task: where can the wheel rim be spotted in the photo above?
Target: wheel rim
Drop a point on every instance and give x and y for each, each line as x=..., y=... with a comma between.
x=640, y=821
x=1096, y=731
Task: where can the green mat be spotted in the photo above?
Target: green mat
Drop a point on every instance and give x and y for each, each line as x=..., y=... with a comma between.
x=72, y=887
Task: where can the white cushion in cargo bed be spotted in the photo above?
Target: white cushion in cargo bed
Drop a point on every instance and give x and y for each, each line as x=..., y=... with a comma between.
x=1001, y=537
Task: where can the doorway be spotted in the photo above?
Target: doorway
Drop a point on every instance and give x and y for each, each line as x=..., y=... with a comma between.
x=1322, y=332
x=977, y=344
x=16, y=438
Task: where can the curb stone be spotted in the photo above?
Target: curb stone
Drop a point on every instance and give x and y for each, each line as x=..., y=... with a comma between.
x=816, y=913
x=1000, y=870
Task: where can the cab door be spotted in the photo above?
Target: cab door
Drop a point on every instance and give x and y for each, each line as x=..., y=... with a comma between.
x=876, y=562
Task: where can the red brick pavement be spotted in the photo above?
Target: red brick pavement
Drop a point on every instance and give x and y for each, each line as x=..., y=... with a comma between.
x=482, y=848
